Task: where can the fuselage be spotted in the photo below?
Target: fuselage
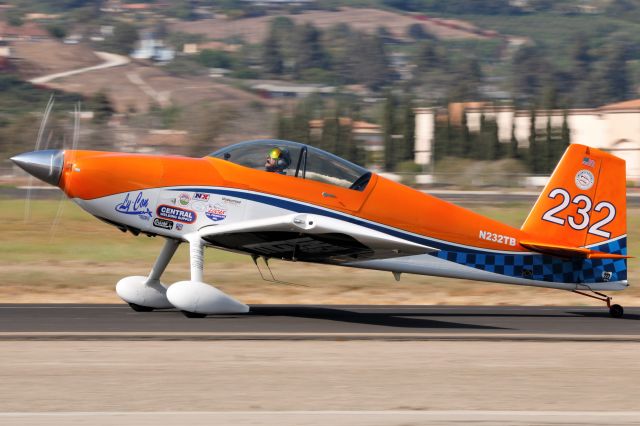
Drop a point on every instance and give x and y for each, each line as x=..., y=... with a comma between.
x=174, y=196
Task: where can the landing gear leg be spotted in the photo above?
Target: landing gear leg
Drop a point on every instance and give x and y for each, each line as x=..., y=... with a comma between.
x=616, y=311
x=195, y=298
x=145, y=294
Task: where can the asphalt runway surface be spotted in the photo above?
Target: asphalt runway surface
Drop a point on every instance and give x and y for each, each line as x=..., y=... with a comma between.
x=318, y=322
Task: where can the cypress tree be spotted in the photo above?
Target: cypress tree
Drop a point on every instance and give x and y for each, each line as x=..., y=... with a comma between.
x=466, y=138
x=480, y=147
x=271, y=55
x=513, y=143
x=496, y=148
x=388, y=124
x=565, y=133
x=548, y=149
x=409, y=131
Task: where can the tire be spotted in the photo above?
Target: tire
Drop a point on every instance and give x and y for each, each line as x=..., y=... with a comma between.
x=140, y=308
x=616, y=311
x=193, y=314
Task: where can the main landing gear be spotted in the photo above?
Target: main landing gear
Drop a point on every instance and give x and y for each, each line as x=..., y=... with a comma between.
x=193, y=298
x=616, y=311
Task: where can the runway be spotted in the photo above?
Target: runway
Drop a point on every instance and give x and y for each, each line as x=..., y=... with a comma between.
x=319, y=322
x=314, y=365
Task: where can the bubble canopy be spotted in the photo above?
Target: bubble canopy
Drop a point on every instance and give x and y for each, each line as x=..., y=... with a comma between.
x=300, y=161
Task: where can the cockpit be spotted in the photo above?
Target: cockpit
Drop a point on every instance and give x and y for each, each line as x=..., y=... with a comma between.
x=298, y=160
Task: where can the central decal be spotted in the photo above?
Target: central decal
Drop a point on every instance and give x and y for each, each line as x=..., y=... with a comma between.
x=176, y=213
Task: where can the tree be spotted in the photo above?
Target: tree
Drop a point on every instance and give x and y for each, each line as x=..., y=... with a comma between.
x=466, y=146
x=513, y=143
x=57, y=31
x=409, y=131
x=331, y=133
x=367, y=62
x=214, y=58
x=529, y=71
x=495, y=151
x=614, y=75
x=309, y=50
x=467, y=77
x=549, y=148
x=14, y=17
x=536, y=154
x=124, y=38
x=565, y=136
x=102, y=107
x=581, y=58
x=419, y=32
x=389, y=129
x=272, y=59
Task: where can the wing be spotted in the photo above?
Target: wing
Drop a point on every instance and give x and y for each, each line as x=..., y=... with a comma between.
x=310, y=238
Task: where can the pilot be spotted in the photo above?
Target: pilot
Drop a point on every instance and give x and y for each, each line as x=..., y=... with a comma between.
x=278, y=161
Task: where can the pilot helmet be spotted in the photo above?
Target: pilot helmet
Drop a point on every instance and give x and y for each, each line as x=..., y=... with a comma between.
x=281, y=157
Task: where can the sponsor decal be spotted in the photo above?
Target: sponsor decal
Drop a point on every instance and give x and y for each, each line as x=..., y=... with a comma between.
x=588, y=162
x=201, y=197
x=584, y=179
x=231, y=201
x=163, y=223
x=184, y=199
x=199, y=206
x=136, y=207
x=216, y=214
x=179, y=226
x=606, y=276
x=176, y=213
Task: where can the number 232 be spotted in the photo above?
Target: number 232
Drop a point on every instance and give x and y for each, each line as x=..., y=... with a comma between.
x=584, y=208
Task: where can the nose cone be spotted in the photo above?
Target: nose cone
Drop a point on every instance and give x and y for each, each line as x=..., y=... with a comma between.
x=45, y=165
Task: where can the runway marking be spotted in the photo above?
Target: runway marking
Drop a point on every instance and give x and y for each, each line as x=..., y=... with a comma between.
x=390, y=336
x=425, y=413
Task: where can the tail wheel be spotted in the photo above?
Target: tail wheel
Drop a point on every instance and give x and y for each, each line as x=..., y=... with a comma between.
x=616, y=311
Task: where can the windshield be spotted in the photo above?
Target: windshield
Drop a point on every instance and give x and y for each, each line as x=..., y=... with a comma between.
x=295, y=159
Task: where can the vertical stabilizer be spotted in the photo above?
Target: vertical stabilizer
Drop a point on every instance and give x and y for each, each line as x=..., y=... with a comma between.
x=584, y=203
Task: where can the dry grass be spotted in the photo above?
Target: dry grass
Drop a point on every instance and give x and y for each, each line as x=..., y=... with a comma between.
x=82, y=259
x=50, y=56
x=254, y=30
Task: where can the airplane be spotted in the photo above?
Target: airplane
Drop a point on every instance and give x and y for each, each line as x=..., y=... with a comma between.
x=285, y=200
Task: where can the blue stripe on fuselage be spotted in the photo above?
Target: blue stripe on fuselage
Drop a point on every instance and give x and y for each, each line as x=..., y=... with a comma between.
x=515, y=264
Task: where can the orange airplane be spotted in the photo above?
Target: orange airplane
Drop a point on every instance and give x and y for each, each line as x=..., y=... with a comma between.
x=285, y=200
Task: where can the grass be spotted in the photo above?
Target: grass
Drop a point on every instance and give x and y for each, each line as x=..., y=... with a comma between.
x=80, y=259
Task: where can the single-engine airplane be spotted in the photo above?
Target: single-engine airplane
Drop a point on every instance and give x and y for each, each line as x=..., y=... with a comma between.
x=285, y=200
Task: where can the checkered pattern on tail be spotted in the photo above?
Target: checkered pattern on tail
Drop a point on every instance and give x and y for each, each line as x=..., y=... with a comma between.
x=543, y=267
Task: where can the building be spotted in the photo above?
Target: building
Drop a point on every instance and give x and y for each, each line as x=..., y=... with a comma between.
x=152, y=48
x=29, y=31
x=614, y=128
x=270, y=90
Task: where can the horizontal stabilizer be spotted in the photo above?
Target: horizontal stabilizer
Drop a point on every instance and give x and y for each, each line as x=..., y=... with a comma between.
x=569, y=252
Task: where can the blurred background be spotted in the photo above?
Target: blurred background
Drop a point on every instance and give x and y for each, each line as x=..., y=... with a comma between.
x=446, y=96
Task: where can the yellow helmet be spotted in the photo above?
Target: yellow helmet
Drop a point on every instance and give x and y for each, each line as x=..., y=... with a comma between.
x=275, y=153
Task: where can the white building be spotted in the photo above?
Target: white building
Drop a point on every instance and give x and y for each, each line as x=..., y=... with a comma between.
x=614, y=128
